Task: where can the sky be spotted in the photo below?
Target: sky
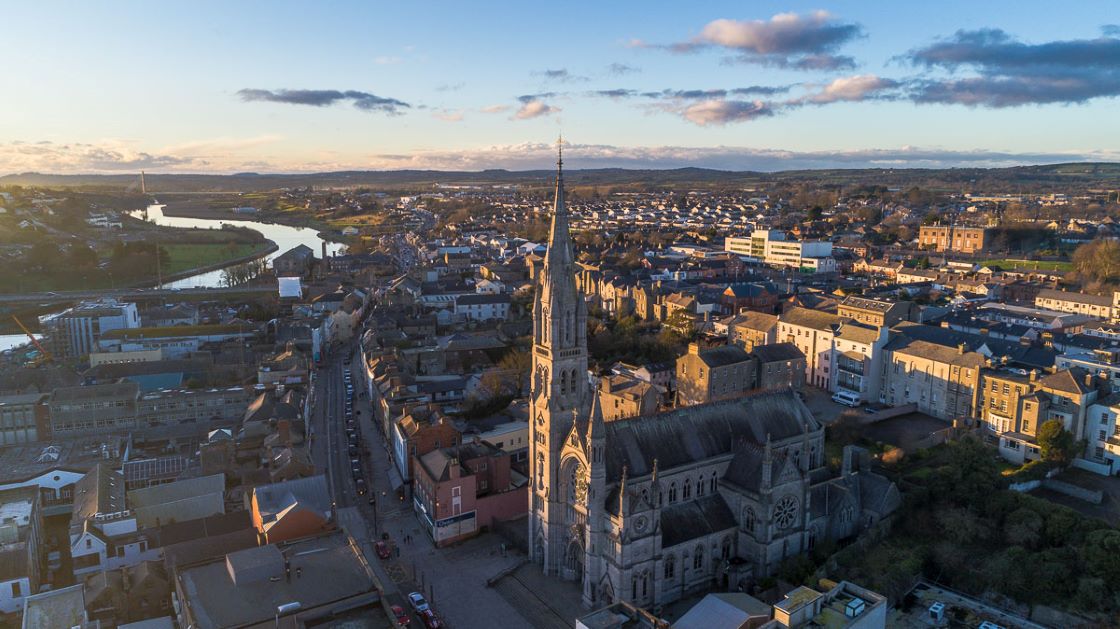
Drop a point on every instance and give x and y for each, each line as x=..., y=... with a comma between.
x=257, y=86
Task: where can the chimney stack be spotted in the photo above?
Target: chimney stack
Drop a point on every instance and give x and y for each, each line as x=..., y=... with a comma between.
x=694, y=348
x=284, y=430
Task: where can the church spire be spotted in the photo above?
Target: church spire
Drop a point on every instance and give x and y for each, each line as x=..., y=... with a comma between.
x=559, y=240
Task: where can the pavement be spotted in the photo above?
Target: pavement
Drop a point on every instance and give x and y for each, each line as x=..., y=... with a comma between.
x=820, y=403
x=453, y=579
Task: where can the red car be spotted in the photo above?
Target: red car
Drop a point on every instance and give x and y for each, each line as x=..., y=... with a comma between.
x=383, y=549
x=430, y=620
x=400, y=615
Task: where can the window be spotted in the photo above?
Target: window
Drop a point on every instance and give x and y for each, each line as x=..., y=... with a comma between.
x=712, y=483
x=673, y=486
x=687, y=489
x=698, y=558
x=670, y=567
x=700, y=486
x=17, y=590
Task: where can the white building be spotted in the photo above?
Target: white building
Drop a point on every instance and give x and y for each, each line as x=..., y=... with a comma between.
x=483, y=307
x=770, y=246
x=840, y=354
x=76, y=331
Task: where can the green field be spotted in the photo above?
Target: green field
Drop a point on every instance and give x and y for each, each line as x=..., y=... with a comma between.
x=1040, y=265
x=184, y=257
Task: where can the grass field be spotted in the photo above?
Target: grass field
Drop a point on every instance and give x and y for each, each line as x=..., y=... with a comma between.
x=184, y=257
x=1040, y=265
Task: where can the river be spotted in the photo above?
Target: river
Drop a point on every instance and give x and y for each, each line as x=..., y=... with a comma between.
x=285, y=236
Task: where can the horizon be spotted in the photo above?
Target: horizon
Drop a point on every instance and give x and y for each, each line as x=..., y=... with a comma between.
x=537, y=170
x=768, y=87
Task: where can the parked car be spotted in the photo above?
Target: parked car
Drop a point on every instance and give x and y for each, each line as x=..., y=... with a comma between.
x=361, y=485
x=400, y=615
x=430, y=620
x=418, y=602
x=383, y=549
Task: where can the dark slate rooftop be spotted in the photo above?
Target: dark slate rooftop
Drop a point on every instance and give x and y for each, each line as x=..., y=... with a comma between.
x=682, y=436
x=689, y=520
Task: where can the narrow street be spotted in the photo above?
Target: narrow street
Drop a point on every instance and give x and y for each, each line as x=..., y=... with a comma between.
x=452, y=579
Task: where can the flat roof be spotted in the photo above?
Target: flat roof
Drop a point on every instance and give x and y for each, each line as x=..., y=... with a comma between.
x=329, y=571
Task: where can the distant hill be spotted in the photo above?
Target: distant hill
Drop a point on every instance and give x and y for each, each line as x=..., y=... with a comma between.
x=1064, y=177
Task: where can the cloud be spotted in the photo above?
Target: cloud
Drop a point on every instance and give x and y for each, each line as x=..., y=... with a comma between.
x=1006, y=72
x=787, y=40
x=111, y=156
x=448, y=115
x=242, y=154
x=495, y=109
x=534, y=109
x=543, y=156
x=622, y=69
x=450, y=87
x=323, y=98
x=387, y=60
x=851, y=88
x=721, y=111
x=561, y=76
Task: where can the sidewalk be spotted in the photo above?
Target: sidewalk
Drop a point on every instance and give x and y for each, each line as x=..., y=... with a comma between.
x=453, y=579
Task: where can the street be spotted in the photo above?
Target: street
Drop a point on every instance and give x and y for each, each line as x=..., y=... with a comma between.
x=458, y=573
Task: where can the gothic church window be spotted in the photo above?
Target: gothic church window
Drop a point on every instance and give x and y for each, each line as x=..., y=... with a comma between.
x=672, y=492
x=687, y=493
x=670, y=567
x=698, y=558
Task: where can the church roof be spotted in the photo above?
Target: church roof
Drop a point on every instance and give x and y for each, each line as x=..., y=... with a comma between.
x=692, y=519
x=695, y=433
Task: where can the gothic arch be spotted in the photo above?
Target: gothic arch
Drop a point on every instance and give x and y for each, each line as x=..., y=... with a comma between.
x=573, y=560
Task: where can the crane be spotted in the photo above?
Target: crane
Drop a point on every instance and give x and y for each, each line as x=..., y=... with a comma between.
x=34, y=341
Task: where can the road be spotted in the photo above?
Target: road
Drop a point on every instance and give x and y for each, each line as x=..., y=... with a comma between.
x=329, y=451
x=130, y=294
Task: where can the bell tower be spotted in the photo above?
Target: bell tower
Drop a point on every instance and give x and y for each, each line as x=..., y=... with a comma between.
x=559, y=382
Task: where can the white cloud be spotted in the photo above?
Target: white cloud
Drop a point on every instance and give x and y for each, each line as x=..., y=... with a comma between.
x=534, y=109
x=850, y=88
x=494, y=109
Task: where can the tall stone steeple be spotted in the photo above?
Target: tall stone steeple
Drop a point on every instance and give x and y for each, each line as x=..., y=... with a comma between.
x=559, y=381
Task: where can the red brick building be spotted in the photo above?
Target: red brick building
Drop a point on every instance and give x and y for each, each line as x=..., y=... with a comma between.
x=460, y=491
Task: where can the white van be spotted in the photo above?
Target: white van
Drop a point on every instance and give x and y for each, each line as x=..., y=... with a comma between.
x=847, y=398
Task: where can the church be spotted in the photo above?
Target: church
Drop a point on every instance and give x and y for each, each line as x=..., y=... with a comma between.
x=653, y=508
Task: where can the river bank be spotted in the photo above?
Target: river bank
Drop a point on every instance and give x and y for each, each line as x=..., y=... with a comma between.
x=217, y=266
x=201, y=209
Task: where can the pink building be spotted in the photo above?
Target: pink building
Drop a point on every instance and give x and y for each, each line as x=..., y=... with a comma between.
x=462, y=490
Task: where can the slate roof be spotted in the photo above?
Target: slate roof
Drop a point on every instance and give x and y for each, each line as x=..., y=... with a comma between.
x=807, y=318
x=723, y=356
x=1067, y=381
x=684, y=435
x=778, y=352
x=689, y=520
x=754, y=320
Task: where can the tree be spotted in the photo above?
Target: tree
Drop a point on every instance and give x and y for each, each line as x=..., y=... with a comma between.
x=42, y=256
x=82, y=256
x=1098, y=260
x=1055, y=442
x=517, y=362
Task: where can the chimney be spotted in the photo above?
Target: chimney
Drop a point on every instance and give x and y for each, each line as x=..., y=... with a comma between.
x=1089, y=379
x=1034, y=375
x=694, y=348
x=962, y=348
x=284, y=430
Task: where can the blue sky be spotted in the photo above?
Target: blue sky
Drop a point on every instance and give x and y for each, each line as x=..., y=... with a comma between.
x=285, y=86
